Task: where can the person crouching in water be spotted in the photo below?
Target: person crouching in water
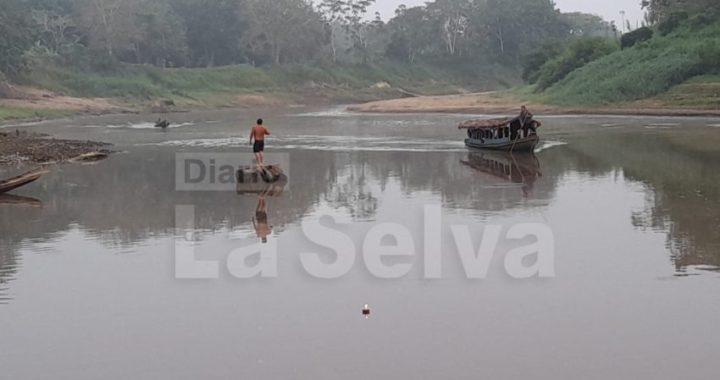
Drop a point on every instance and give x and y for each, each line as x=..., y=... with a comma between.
x=257, y=135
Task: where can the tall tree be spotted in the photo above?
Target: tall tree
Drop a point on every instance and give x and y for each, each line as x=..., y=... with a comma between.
x=659, y=10
x=110, y=24
x=411, y=33
x=55, y=29
x=284, y=30
x=351, y=16
x=453, y=22
x=334, y=12
x=214, y=30
x=16, y=35
x=163, y=41
x=514, y=27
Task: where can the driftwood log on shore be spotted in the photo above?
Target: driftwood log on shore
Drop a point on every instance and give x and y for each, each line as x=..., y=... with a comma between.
x=269, y=180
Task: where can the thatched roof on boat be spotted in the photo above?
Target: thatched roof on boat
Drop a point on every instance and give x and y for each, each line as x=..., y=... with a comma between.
x=486, y=123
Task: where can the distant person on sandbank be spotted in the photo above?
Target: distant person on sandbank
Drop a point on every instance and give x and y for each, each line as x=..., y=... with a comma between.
x=257, y=140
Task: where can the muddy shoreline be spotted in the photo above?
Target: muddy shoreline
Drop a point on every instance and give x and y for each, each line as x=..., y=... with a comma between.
x=17, y=148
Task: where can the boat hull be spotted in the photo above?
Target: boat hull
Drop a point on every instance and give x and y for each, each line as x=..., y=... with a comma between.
x=526, y=144
x=21, y=180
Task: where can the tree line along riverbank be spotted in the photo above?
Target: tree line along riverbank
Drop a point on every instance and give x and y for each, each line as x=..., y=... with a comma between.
x=572, y=62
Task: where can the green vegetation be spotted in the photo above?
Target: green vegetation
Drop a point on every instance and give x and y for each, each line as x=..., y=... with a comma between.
x=200, y=52
x=209, y=52
x=576, y=55
x=215, y=86
x=699, y=92
x=100, y=34
x=644, y=70
x=19, y=113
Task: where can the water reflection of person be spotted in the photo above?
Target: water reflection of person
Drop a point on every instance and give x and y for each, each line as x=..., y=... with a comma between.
x=260, y=221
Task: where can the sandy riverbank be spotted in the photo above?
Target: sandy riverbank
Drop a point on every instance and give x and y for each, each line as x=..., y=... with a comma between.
x=501, y=103
x=15, y=96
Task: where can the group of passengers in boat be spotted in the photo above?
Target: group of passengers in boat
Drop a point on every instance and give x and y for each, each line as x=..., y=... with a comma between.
x=520, y=128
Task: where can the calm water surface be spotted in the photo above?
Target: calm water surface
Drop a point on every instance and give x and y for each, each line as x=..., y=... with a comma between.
x=87, y=286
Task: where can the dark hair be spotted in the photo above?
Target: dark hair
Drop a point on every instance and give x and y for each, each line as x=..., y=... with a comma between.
x=260, y=121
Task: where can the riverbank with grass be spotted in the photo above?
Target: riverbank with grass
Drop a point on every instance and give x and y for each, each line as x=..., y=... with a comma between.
x=699, y=96
x=8, y=114
x=43, y=90
x=674, y=73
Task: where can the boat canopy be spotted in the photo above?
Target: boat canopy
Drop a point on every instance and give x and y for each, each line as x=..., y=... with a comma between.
x=486, y=123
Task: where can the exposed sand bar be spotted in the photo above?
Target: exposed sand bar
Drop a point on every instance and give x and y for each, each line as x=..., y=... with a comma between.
x=500, y=103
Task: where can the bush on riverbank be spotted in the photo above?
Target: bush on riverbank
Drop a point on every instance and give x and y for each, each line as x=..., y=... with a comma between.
x=576, y=55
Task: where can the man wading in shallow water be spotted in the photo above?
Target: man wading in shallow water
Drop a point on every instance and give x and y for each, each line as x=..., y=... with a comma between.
x=258, y=134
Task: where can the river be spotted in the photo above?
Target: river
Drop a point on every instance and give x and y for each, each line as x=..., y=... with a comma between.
x=89, y=286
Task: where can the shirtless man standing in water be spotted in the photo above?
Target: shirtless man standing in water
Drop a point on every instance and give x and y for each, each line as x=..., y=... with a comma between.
x=258, y=134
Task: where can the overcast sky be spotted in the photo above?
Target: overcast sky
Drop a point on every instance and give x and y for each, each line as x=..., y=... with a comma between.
x=608, y=9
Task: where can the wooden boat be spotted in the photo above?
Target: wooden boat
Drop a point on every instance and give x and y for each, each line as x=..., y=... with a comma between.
x=516, y=134
x=21, y=180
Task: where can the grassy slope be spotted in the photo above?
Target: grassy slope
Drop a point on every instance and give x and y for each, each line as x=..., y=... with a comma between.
x=20, y=113
x=216, y=85
x=640, y=72
x=699, y=92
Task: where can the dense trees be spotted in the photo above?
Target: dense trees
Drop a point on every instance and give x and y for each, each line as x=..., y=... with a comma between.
x=659, y=10
x=282, y=31
x=201, y=33
x=15, y=35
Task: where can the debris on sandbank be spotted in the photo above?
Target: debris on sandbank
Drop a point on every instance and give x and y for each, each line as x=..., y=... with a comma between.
x=21, y=147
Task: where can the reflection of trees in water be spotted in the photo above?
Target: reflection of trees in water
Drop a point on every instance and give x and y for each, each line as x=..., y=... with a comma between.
x=129, y=199
x=132, y=197
x=351, y=191
x=685, y=202
x=8, y=267
x=12, y=219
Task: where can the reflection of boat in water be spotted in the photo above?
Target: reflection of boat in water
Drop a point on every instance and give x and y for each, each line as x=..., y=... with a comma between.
x=268, y=181
x=21, y=180
x=516, y=168
x=518, y=134
x=14, y=200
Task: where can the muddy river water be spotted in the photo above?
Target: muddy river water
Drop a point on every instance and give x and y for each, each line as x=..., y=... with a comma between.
x=89, y=284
